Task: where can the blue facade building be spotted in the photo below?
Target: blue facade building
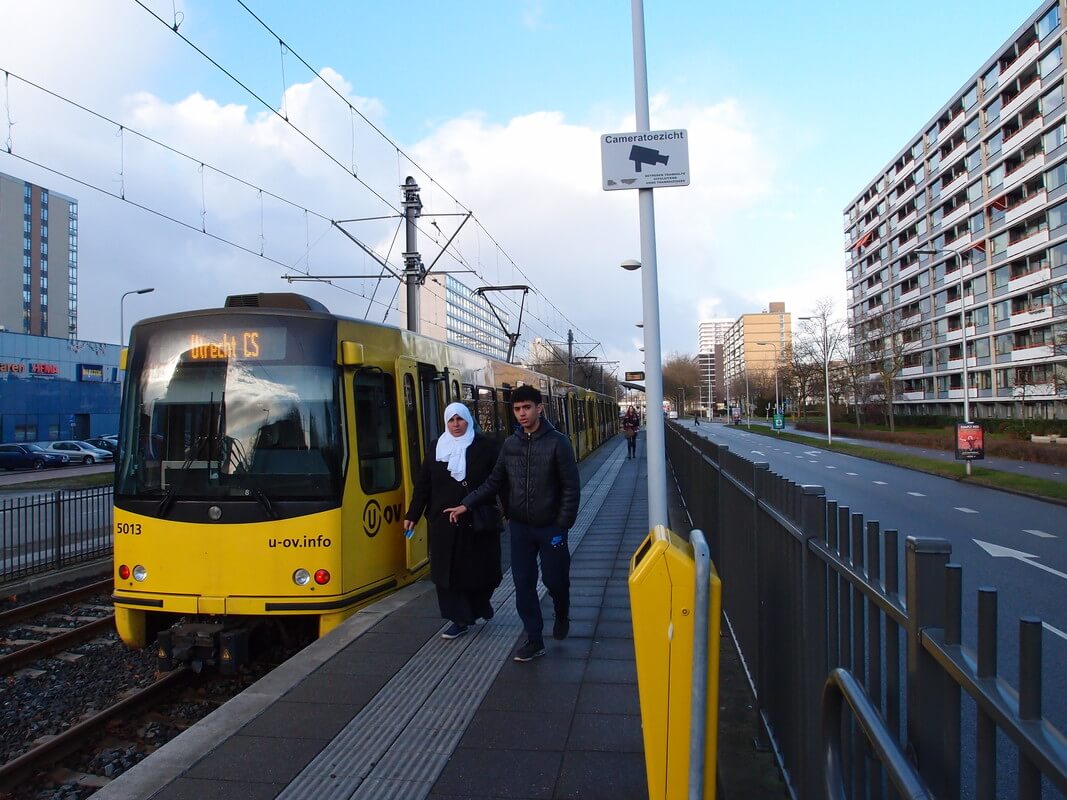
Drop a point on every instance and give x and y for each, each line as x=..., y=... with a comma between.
x=52, y=388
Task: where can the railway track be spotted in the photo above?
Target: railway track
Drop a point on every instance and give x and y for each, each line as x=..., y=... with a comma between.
x=44, y=755
x=29, y=653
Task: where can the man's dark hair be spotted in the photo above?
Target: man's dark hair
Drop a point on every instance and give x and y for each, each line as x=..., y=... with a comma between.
x=526, y=393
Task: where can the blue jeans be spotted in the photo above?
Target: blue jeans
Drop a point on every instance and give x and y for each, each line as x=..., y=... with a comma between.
x=550, y=544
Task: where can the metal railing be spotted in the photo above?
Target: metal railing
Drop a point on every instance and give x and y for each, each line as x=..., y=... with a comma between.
x=812, y=594
x=50, y=530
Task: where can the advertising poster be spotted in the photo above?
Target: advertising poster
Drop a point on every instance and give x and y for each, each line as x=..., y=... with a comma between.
x=970, y=445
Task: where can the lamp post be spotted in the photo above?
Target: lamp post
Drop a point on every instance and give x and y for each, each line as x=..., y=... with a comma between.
x=655, y=435
x=772, y=344
x=748, y=402
x=122, y=300
x=963, y=332
x=826, y=370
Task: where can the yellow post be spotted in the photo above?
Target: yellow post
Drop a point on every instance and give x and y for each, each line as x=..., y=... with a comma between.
x=662, y=593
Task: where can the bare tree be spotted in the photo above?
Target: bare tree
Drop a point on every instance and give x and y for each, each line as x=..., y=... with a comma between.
x=823, y=334
x=801, y=376
x=884, y=345
x=855, y=373
x=681, y=372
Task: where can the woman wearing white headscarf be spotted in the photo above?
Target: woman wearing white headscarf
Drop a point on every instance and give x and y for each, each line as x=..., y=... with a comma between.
x=464, y=564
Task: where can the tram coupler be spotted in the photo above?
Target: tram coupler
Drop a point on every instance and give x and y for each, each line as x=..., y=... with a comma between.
x=202, y=644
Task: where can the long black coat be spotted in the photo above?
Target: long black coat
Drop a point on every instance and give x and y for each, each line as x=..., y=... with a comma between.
x=459, y=557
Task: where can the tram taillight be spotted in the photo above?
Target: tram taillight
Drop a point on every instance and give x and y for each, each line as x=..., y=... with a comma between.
x=322, y=577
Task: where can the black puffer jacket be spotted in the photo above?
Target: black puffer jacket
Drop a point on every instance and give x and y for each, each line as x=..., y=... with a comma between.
x=541, y=479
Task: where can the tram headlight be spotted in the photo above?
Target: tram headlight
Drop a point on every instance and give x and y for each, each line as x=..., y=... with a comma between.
x=139, y=573
x=301, y=577
x=322, y=577
x=124, y=572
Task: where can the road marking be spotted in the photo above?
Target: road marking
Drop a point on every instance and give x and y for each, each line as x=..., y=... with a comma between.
x=813, y=452
x=965, y=510
x=830, y=466
x=917, y=494
x=1040, y=534
x=1055, y=630
x=880, y=483
x=997, y=551
x=757, y=452
x=798, y=456
x=852, y=473
x=812, y=461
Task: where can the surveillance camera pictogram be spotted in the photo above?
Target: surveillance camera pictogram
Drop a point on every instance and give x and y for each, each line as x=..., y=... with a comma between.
x=646, y=155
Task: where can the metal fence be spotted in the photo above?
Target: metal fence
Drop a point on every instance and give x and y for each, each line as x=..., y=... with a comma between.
x=50, y=530
x=858, y=684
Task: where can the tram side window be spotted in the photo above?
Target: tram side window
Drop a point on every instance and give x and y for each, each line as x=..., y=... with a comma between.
x=376, y=433
x=412, y=415
x=469, y=401
x=485, y=410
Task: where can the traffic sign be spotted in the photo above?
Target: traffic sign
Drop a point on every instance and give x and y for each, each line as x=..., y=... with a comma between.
x=635, y=376
x=779, y=422
x=645, y=160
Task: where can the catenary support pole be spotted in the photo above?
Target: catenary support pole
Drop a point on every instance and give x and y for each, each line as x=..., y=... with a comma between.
x=413, y=272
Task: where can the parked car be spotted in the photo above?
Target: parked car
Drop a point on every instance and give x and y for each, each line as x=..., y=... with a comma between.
x=80, y=451
x=104, y=443
x=29, y=456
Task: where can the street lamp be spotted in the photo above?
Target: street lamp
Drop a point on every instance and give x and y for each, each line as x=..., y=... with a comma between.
x=122, y=300
x=772, y=344
x=826, y=370
x=655, y=434
x=963, y=332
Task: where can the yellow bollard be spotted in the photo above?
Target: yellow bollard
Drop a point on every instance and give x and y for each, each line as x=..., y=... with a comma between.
x=662, y=592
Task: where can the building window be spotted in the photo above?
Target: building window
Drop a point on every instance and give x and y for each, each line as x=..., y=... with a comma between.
x=1050, y=61
x=1048, y=23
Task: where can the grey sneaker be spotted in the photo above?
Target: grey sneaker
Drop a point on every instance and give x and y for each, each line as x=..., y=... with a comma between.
x=530, y=651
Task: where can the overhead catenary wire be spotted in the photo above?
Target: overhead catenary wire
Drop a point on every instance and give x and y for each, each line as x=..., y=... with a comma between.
x=400, y=152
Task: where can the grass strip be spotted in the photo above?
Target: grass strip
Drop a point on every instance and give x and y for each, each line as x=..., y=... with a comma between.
x=70, y=482
x=1020, y=484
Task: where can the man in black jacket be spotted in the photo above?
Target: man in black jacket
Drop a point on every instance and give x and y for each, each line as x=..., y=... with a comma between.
x=538, y=467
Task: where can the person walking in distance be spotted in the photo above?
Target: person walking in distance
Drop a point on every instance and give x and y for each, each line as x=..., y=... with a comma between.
x=464, y=561
x=538, y=467
x=630, y=424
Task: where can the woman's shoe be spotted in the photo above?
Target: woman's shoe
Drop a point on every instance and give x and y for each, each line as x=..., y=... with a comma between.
x=454, y=630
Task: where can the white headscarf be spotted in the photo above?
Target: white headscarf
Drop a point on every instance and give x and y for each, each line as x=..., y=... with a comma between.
x=453, y=449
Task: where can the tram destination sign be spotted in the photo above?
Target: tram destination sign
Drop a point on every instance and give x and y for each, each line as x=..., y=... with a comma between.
x=635, y=376
x=645, y=159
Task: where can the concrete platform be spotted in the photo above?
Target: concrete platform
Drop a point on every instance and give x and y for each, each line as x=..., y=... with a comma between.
x=384, y=708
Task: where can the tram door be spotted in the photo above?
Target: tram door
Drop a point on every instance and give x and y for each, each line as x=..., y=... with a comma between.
x=416, y=549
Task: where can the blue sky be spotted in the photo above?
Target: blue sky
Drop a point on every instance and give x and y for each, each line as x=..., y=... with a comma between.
x=791, y=109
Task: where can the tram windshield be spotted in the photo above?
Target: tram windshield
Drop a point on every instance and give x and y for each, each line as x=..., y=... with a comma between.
x=233, y=406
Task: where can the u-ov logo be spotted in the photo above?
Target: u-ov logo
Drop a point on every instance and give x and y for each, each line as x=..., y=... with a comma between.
x=372, y=518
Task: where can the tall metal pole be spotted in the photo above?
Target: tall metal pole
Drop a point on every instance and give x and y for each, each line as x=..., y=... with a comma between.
x=122, y=303
x=748, y=400
x=570, y=356
x=654, y=427
x=413, y=271
x=826, y=365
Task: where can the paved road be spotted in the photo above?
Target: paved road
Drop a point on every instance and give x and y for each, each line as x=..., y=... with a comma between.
x=1033, y=582
x=1046, y=471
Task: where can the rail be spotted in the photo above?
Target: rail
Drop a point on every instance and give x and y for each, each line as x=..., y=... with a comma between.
x=812, y=587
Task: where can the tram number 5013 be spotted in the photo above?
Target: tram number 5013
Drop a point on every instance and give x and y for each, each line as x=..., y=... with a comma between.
x=132, y=528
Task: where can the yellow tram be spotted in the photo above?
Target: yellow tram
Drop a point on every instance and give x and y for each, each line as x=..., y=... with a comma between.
x=267, y=462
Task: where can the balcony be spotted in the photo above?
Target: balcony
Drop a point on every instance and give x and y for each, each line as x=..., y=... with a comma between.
x=954, y=125
x=1034, y=278
x=1037, y=351
x=908, y=371
x=1024, y=319
x=957, y=184
x=908, y=296
x=956, y=152
x=1025, y=58
x=1021, y=99
x=908, y=219
x=1024, y=171
x=1031, y=241
x=1022, y=135
x=912, y=395
x=955, y=216
x=1022, y=209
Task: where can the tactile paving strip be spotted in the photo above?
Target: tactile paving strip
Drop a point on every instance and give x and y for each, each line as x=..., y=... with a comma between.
x=397, y=746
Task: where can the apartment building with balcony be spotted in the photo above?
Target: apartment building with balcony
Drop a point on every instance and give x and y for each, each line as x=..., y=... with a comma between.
x=961, y=239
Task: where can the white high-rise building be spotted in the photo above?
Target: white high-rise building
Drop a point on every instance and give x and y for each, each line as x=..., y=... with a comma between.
x=711, y=332
x=960, y=242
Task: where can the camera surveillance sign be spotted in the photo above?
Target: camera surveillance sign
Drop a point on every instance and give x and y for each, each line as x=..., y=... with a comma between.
x=646, y=160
